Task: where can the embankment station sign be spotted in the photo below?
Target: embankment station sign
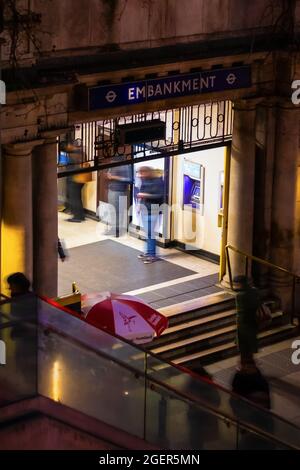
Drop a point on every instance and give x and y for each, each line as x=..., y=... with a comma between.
x=124, y=94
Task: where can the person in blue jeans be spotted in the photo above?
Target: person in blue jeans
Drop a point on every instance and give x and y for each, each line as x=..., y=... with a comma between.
x=150, y=197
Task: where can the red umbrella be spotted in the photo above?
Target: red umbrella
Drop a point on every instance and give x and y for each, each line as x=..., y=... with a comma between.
x=123, y=315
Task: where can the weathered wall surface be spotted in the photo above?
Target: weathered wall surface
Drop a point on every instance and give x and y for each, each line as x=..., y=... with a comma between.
x=70, y=25
x=75, y=23
x=43, y=433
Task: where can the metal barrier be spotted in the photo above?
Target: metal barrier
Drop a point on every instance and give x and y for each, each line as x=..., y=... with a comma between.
x=123, y=385
x=188, y=129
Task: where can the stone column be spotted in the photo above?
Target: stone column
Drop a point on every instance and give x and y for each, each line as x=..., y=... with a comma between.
x=284, y=200
x=241, y=186
x=264, y=172
x=297, y=228
x=45, y=217
x=16, y=240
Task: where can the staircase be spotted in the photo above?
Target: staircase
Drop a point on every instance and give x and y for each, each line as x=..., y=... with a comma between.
x=203, y=330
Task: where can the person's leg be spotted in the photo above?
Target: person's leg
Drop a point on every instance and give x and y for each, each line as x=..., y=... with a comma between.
x=68, y=198
x=113, y=200
x=247, y=359
x=80, y=204
x=151, y=235
x=151, y=241
x=77, y=207
x=123, y=212
x=247, y=342
x=72, y=197
x=146, y=225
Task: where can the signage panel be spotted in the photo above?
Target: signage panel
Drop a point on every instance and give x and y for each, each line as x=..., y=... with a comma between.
x=124, y=94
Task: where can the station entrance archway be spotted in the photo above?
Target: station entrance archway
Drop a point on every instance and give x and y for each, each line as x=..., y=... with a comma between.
x=193, y=159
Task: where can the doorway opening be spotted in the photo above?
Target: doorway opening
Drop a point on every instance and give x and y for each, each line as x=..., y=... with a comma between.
x=190, y=163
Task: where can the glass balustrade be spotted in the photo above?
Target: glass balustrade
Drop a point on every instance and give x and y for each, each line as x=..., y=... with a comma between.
x=52, y=353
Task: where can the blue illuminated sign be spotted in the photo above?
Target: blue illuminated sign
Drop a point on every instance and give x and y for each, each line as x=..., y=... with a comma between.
x=124, y=94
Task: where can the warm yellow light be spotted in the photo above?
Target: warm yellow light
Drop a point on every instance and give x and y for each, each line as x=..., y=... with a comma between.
x=56, y=381
x=13, y=254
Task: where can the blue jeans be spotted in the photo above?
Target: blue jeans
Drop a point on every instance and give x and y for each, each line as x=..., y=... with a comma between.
x=149, y=222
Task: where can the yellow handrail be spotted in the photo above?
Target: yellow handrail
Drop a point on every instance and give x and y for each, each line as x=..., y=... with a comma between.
x=265, y=263
x=262, y=261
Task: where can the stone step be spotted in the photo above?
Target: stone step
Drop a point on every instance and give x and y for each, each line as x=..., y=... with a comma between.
x=213, y=337
x=222, y=351
x=200, y=307
x=200, y=321
x=195, y=339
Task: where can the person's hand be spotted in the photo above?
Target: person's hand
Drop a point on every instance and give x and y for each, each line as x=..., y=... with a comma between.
x=144, y=195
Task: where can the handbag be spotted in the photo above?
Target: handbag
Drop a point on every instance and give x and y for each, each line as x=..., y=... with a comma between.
x=83, y=177
x=263, y=316
x=104, y=212
x=62, y=252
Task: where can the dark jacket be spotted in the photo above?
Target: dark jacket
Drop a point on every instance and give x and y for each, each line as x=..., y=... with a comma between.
x=154, y=187
x=24, y=315
x=124, y=172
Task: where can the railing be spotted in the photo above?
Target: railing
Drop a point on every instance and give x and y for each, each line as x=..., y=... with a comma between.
x=127, y=387
x=247, y=256
x=188, y=128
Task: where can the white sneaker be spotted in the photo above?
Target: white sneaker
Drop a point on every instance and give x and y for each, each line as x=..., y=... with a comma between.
x=143, y=256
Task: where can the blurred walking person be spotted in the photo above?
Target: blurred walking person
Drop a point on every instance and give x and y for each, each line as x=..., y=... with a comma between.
x=247, y=303
x=24, y=330
x=202, y=425
x=150, y=197
x=75, y=183
x=248, y=382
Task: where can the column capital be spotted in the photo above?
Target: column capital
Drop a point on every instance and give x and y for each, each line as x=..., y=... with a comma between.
x=287, y=104
x=22, y=149
x=51, y=134
x=246, y=104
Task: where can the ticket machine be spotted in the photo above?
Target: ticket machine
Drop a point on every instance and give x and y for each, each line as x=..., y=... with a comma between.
x=193, y=182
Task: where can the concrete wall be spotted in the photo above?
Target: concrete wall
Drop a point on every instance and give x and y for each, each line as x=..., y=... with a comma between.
x=44, y=433
x=76, y=24
x=92, y=23
x=40, y=423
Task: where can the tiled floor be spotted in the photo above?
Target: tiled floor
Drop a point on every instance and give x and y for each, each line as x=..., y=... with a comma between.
x=284, y=377
x=110, y=266
x=191, y=285
x=182, y=292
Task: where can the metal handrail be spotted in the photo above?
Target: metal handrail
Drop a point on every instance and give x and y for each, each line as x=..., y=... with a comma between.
x=181, y=395
x=296, y=277
x=167, y=388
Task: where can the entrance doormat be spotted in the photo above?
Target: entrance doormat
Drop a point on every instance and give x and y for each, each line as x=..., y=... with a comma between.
x=110, y=266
